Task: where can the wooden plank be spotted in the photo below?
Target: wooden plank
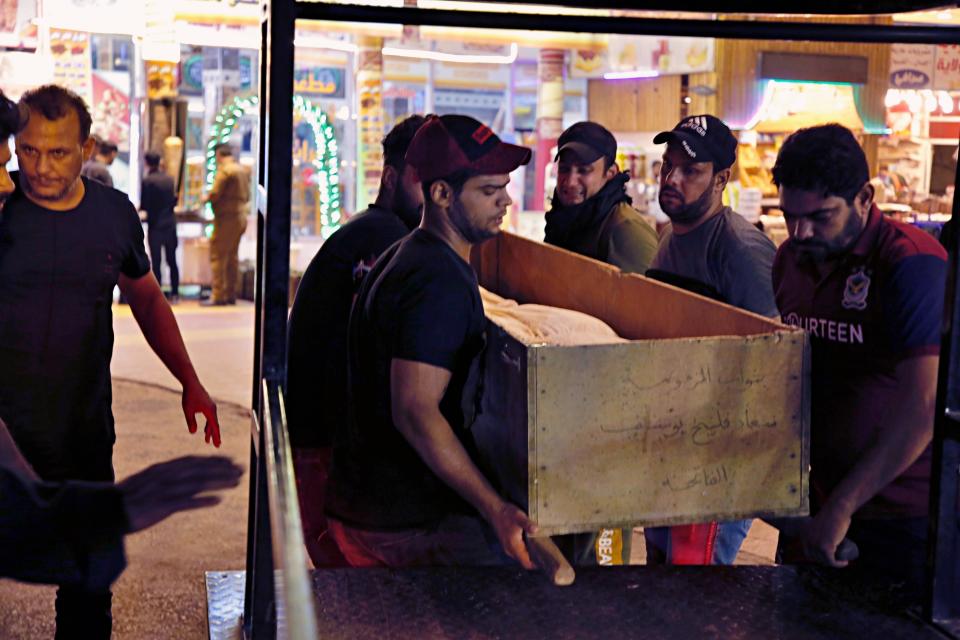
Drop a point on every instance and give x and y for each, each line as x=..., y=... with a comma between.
x=670, y=431
x=636, y=307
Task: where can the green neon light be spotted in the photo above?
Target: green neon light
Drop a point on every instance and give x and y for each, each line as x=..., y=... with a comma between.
x=326, y=162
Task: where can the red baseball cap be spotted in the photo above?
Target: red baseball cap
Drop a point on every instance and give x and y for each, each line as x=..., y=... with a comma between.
x=447, y=144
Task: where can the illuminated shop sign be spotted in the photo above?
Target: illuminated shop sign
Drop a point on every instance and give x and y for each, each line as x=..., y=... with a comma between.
x=319, y=81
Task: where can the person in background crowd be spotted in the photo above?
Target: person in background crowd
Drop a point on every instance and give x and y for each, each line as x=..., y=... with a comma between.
x=316, y=391
x=404, y=487
x=229, y=197
x=97, y=167
x=711, y=250
x=869, y=290
x=65, y=243
x=590, y=212
x=158, y=197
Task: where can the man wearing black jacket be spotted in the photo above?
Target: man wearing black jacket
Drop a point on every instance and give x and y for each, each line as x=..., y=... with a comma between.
x=316, y=393
x=157, y=197
x=590, y=213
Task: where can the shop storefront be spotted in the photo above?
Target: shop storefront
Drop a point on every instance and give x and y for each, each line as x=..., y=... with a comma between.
x=176, y=77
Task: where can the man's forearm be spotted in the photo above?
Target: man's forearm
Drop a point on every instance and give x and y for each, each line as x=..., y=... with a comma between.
x=904, y=437
x=432, y=437
x=159, y=327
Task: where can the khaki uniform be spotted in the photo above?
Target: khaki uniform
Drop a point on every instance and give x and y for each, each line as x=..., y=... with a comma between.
x=229, y=198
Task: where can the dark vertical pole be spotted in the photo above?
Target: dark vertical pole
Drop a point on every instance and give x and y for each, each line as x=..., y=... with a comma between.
x=942, y=604
x=256, y=527
x=272, y=282
x=278, y=112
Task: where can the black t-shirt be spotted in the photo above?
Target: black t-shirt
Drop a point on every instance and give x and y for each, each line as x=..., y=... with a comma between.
x=316, y=392
x=421, y=302
x=157, y=198
x=57, y=274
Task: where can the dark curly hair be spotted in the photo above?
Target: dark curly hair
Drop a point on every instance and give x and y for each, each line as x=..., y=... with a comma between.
x=826, y=159
x=398, y=139
x=12, y=117
x=54, y=102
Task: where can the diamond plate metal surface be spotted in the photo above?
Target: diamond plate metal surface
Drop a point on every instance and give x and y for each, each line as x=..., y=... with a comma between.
x=225, y=604
x=648, y=602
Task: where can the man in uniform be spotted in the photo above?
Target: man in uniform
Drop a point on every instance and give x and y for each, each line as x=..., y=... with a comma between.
x=65, y=243
x=869, y=290
x=229, y=196
x=316, y=392
x=404, y=488
x=590, y=213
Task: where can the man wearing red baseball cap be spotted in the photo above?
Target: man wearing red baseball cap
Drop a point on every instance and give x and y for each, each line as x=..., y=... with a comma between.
x=404, y=489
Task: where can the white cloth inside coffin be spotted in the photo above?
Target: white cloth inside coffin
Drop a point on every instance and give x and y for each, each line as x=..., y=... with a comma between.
x=537, y=323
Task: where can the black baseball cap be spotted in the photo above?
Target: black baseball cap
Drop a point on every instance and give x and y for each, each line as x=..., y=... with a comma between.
x=447, y=144
x=586, y=142
x=704, y=138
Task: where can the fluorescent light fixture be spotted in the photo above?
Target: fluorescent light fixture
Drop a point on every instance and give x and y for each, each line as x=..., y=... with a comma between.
x=629, y=75
x=462, y=58
x=319, y=42
x=754, y=120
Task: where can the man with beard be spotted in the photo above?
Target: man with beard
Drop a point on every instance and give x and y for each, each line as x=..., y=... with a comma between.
x=404, y=488
x=590, y=211
x=869, y=290
x=711, y=250
x=316, y=390
x=65, y=243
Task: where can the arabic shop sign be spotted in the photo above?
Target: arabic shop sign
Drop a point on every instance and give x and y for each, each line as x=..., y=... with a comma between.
x=919, y=66
x=911, y=66
x=326, y=82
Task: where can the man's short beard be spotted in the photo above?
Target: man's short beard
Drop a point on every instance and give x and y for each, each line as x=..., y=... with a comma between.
x=405, y=209
x=688, y=213
x=461, y=222
x=823, y=251
x=25, y=183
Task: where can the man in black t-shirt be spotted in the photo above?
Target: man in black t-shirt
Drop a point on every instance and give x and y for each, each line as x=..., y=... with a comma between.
x=158, y=197
x=65, y=243
x=404, y=488
x=316, y=390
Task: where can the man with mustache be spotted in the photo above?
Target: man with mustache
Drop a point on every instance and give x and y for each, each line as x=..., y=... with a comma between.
x=711, y=250
x=65, y=243
x=590, y=212
x=404, y=488
x=316, y=391
x=869, y=290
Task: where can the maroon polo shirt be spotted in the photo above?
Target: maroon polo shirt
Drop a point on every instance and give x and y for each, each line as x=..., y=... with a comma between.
x=879, y=304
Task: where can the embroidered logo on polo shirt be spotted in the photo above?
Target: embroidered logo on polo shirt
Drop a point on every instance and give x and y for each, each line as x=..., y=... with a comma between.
x=855, y=293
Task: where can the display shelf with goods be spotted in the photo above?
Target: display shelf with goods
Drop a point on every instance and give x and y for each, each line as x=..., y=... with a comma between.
x=918, y=159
